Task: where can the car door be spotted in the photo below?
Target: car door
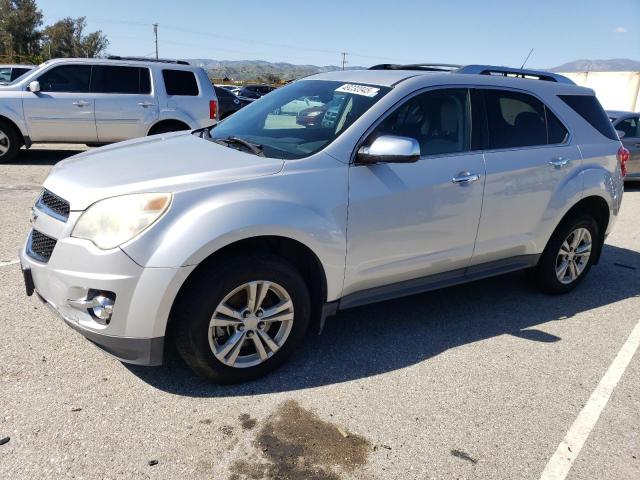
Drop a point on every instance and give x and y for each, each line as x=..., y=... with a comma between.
x=412, y=220
x=63, y=109
x=126, y=106
x=528, y=159
x=631, y=140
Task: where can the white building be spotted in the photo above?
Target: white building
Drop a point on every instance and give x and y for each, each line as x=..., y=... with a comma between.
x=615, y=90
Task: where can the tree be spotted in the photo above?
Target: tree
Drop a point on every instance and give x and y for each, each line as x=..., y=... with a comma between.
x=66, y=38
x=20, y=21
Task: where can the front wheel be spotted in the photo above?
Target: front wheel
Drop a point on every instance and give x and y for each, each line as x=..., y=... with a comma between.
x=569, y=255
x=242, y=318
x=10, y=142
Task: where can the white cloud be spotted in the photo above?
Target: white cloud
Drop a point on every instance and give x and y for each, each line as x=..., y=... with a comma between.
x=619, y=30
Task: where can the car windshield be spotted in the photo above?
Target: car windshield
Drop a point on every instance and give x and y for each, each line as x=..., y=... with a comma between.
x=299, y=119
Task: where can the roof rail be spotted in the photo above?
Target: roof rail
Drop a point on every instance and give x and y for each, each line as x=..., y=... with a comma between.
x=514, y=72
x=145, y=59
x=426, y=67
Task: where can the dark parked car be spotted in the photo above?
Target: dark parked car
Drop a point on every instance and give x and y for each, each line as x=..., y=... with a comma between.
x=255, y=91
x=228, y=103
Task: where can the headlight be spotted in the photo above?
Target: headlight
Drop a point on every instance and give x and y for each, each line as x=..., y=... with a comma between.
x=113, y=221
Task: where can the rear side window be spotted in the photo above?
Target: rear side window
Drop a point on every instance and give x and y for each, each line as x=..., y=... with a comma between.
x=556, y=132
x=117, y=79
x=66, y=78
x=514, y=119
x=180, y=82
x=588, y=107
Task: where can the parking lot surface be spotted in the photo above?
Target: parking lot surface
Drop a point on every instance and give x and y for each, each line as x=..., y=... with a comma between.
x=480, y=381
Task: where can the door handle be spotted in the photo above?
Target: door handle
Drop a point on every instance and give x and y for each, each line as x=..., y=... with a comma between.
x=145, y=104
x=465, y=178
x=559, y=162
x=81, y=103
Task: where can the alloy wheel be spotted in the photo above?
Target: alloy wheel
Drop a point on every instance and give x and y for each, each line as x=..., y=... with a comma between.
x=5, y=143
x=250, y=324
x=573, y=255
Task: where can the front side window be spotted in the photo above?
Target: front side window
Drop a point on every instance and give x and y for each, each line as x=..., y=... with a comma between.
x=180, y=82
x=119, y=79
x=66, y=78
x=438, y=120
x=301, y=118
x=630, y=126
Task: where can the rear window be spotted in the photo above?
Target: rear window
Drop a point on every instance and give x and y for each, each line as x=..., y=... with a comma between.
x=117, y=79
x=588, y=107
x=180, y=82
x=223, y=93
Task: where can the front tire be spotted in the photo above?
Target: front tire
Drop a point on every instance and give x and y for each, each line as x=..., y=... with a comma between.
x=569, y=255
x=242, y=318
x=10, y=142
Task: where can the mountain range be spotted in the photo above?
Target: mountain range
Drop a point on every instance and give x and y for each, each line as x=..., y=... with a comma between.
x=272, y=72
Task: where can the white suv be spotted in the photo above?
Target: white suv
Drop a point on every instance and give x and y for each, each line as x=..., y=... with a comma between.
x=394, y=181
x=99, y=101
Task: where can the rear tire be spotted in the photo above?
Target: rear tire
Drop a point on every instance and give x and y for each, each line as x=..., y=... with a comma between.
x=10, y=142
x=569, y=255
x=224, y=336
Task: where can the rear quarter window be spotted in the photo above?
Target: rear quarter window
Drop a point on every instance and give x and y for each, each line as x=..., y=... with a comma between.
x=588, y=107
x=180, y=82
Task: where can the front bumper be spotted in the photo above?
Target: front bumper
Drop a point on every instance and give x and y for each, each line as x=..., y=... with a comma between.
x=144, y=296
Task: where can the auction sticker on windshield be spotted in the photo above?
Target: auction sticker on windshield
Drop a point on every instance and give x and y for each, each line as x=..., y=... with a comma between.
x=358, y=89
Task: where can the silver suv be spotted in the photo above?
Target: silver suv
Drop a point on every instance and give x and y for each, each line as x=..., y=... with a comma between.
x=232, y=241
x=99, y=101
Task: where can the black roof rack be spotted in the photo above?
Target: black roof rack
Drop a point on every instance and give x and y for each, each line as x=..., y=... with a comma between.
x=514, y=72
x=426, y=67
x=145, y=59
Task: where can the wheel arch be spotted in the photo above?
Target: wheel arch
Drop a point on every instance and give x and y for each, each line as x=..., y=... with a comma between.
x=299, y=255
x=14, y=125
x=180, y=123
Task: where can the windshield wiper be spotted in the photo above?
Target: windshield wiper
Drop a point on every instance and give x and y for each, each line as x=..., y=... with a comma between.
x=254, y=147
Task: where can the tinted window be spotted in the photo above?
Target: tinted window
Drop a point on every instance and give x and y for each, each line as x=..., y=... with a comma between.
x=514, y=119
x=630, y=126
x=438, y=120
x=66, y=78
x=556, y=131
x=180, y=82
x=588, y=107
x=115, y=79
x=18, y=72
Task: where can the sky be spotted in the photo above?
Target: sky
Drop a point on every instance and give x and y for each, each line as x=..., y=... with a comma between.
x=373, y=31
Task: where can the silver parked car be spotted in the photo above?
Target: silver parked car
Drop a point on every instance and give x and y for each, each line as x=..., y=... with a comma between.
x=232, y=241
x=10, y=73
x=99, y=101
x=627, y=124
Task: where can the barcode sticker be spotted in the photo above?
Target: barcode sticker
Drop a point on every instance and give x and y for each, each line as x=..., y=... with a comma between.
x=358, y=89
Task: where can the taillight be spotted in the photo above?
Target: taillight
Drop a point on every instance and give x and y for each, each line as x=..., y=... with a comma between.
x=623, y=158
x=213, y=110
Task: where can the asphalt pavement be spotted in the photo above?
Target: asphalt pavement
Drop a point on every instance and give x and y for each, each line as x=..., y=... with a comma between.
x=480, y=381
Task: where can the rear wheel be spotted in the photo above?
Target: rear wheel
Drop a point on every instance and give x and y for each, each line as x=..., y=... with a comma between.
x=243, y=318
x=569, y=255
x=10, y=142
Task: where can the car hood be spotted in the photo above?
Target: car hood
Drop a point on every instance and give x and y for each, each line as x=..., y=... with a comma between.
x=163, y=163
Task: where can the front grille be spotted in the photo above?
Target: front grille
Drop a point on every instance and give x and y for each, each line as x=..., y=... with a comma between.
x=40, y=246
x=53, y=205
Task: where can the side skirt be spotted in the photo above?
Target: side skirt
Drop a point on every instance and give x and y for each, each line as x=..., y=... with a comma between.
x=432, y=282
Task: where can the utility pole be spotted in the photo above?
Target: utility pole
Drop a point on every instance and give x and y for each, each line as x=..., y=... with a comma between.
x=155, y=32
x=344, y=59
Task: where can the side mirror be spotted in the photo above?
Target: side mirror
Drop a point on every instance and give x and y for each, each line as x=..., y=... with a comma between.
x=390, y=149
x=620, y=133
x=34, y=87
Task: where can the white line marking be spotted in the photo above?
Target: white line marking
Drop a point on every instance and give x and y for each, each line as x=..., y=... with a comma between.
x=569, y=449
x=10, y=262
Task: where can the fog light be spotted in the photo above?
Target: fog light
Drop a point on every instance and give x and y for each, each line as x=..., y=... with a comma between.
x=98, y=303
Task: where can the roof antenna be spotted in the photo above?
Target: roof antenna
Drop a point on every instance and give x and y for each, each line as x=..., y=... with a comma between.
x=526, y=59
